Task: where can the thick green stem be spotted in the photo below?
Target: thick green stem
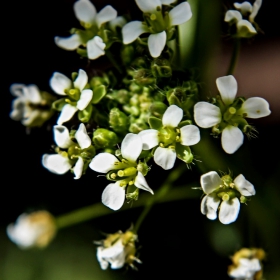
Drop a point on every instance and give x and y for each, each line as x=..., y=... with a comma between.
x=173, y=176
x=234, y=57
x=98, y=210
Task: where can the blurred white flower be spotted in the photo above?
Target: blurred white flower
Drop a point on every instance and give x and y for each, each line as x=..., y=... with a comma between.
x=224, y=193
x=62, y=85
x=124, y=172
x=61, y=163
x=159, y=24
x=32, y=230
x=207, y=115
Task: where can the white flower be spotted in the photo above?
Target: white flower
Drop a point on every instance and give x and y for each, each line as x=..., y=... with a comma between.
x=118, y=249
x=61, y=163
x=157, y=40
x=246, y=269
x=123, y=172
x=32, y=230
x=244, y=27
x=86, y=13
x=169, y=137
x=229, y=192
x=207, y=115
x=27, y=107
x=62, y=85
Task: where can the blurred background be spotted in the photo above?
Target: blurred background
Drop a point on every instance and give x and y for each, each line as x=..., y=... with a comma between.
x=176, y=240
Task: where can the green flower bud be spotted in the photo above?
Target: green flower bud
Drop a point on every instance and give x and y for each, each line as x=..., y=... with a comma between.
x=127, y=54
x=143, y=77
x=176, y=96
x=161, y=68
x=157, y=109
x=138, y=126
x=118, y=120
x=103, y=138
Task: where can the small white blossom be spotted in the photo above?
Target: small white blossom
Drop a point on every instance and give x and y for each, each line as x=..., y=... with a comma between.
x=244, y=27
x=158, y=37
x=169, y=137
x=62, y=85
x=124, y=172
x=117, y=250
x=32, y=230
x=86, y=13
x=61, y=163
x=207, y=115
x=224, y=193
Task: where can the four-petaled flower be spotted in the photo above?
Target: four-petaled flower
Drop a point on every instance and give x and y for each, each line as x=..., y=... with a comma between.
x=172, y=139
x=230, y=114
x=245, y=28
x=224, y=189
x=125, y=171
x=159, y=23
x=62, y=162
x=79, y=96
x=92, y=21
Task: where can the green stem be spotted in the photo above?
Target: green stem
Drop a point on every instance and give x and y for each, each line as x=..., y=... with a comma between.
x=98, y=210
x=113, y=61
x=174, y=175
x=234, y=57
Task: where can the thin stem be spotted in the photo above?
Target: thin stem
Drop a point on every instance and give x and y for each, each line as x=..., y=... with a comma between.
x=113, y=61
x=98, y=210
x=234, y=57
x=174, y=175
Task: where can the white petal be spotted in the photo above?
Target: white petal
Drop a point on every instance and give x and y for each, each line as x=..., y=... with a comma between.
x=32, y=94
x=172, y=116
x=229, y=211
x=233, y=15
x=165, y=157
x=106, y=14
x=113, y=196
x=82, y=137
x=103, y=263
x=81, y=80
x=103, y=162
x=244, y=186
x=112, y=252
x=17, y=89
x=256, y=6
x=190, y=135
x=210, y=181
x=149, y=138
x=95, y=47
x=167, y=2
x=232, y=139
x=245, y=28
x=227, y=87
x=255, y=107
x=18, y=110
x=84, y=11
x=61, y=136
x=244, y=7
x=209, y=206
x=246, y=269
x=148, y=6
x=67, y=113
x=141, y=183
x=131, y=147
x=156, y=43
x=56, y=163
x=59, y=83
x=70, y=43
x=206, y=114
x=132, y=30
x=78, y=168
x=180, y=14
x=85, y=98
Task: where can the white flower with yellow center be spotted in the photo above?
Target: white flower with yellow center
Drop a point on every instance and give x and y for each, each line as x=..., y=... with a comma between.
x=125, y=171
x=171, y=139
x=61, y=163
x=229, y=115
x=224, y=193
x=159, y=23
x=80, y=97
x=86, y=13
